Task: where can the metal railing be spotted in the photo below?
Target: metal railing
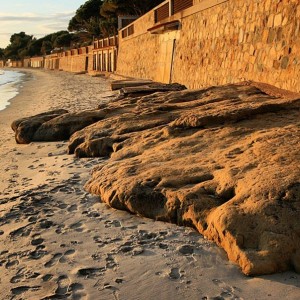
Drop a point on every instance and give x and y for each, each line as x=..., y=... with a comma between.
x=106, y=42
x=179, y=5
x=170, y=8
x=162, y=12
x=128, y=31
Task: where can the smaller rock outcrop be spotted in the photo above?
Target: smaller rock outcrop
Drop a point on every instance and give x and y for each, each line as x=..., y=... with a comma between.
x=25, y=128
x=55, y=125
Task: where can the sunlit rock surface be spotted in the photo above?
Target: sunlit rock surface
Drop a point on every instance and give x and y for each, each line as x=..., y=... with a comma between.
x=225, y=160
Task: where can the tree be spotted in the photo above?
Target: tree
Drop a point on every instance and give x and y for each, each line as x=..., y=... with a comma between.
x=1, y=53
x=18, y=47
x=111, y=9
x=95, y=18
x=23, y=45
x=46, y=47
x=63, y=40
x=87, y=18
x=99, y=18
x=127, y=7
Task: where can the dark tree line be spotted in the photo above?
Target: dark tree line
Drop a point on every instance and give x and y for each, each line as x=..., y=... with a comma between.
x=93, y=19
x=99, y=18
x=23, y=45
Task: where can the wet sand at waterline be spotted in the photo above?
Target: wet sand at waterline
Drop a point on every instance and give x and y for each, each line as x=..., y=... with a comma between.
x=59, y=242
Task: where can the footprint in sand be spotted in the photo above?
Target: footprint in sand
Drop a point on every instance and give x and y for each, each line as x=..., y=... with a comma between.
x=59, y=145
x=17, y=278
x=186, y=249
x=45, y=224
x=47, y=277
x=68, y=253
x=37, y=241
x=94, y=214
x=53, y=261
x=113, y=223
x=22, y=289
x=78, y=226
x=60, y=229
x=90, y=272
x=175, y=273
x=22, y=231
x=228, y=292
x=66, y=190
x=110, y=262
x=63, y=284
x=77, y=289
x=72, y=208
x=38, y=253
x=62, y=205
x=24, y=274
x=11, y=264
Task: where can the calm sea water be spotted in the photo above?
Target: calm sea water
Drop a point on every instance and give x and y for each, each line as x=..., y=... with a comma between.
x=10, y=83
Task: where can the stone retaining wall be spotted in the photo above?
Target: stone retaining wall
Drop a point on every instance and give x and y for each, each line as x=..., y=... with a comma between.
x=218, y=42
x=76, y=60
x=37, y=62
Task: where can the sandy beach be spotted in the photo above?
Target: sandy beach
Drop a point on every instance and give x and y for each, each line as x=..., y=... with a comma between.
x=59, y=242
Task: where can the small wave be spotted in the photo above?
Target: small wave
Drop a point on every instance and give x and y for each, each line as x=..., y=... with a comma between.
x=10, y=82
x=7, y=82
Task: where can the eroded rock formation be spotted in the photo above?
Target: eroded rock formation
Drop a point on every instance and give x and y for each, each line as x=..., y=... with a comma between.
x=224, y=160
x=25, y=128
x=55, y=125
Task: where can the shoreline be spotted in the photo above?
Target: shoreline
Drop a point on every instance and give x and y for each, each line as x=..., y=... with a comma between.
x=16, y=86
x=59, y=241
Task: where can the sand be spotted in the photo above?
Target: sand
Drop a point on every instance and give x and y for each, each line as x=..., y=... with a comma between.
x=59, y=242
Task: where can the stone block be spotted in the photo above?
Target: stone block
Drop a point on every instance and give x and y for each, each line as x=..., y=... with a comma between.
x=276, y=64
x=284, y=62
x=270, y=21
x=278, y=20
x=251, y=50
x=272, y=35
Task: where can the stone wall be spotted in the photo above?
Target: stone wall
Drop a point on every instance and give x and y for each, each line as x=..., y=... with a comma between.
x=76, y=60
x=26, y=62
x=219, y=42
x=52, y=61
x=138, y=54
x=104, y=55
x=37, y=62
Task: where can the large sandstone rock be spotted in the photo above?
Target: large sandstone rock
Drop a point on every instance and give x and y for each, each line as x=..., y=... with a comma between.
x=224, y=160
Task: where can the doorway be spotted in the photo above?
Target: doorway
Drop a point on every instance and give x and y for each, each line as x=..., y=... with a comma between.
x=165, y=58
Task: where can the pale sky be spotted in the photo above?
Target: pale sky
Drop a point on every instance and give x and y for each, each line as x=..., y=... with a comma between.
x=35, y=17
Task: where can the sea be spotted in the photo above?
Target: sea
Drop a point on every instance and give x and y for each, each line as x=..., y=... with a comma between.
x=10, y=84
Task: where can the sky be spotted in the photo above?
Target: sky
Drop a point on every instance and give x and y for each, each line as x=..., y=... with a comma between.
x=35, y=17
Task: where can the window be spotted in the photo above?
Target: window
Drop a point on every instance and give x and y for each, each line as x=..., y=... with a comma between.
x=178, y=5
x=162, y=12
